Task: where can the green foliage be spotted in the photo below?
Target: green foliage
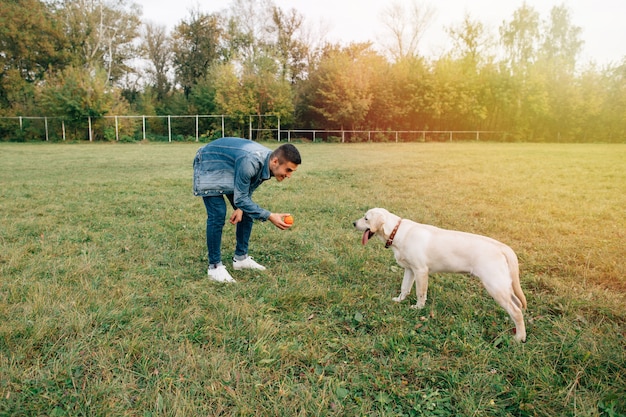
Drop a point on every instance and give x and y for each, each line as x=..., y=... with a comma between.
x=526, y=83
x=100, y=34
x=105, y=308
x=31, y=40
x=76, y=95
x=202, y=97
x=343, y=94
x=196, y=48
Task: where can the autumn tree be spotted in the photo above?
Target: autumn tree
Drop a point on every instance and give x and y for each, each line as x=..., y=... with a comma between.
x=101, y=34
x=31, y=43
x=76, y=95
x=343, y=80
x=197, y=44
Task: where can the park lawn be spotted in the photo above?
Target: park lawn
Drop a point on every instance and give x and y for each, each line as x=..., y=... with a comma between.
x=105, y=308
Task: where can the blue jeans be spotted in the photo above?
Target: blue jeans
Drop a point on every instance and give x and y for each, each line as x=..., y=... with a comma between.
x=216, y=218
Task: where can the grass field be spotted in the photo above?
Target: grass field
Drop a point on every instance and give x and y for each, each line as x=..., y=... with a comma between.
x=105, y=309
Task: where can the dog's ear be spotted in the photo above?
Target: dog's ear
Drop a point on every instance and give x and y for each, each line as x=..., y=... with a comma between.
x=376, y=221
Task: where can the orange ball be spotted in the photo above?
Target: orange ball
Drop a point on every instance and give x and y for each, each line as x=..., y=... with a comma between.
x=288, y=219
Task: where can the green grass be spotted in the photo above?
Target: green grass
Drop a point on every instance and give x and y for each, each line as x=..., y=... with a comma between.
x=105, y=308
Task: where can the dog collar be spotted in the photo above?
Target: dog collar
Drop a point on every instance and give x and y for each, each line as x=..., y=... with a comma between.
x=393, y=234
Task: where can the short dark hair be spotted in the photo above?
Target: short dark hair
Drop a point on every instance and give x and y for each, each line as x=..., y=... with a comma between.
x=287, y=153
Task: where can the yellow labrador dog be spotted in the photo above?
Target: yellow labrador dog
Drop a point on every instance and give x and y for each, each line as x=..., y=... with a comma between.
x=420, y=249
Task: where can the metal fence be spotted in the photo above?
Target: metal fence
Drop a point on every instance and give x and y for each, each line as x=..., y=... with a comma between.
x=344, y=136
x=136, y=127
x=206, y=127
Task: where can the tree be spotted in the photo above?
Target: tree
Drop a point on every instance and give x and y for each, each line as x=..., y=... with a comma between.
x=557, y=63
x=202, y=96
x=101, y=34
x=291, y=51
x=249, y=27
x=411, y=84
x=343, y=77
x=31, y=42
x=616, y=102
x=156, y=48
x=462, y=76
x=196, y=47
x=471, y=42
x=75, y=95
x=406, y=27
x=520, y=38
x=230, y=96
x=270, y=93
x=562, y=44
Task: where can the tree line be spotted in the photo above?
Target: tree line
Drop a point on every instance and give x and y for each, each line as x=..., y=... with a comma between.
x=87, y=59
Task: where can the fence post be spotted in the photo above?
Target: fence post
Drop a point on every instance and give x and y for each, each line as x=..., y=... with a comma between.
x=63, y=128
x=250, y=127
x=143, y=118
x=117, y=130
x=45, y=122
x=169, y=128
x=90, y=132
x=278, y=129
x=197, y=128
x=223, y=134
x=477, y=135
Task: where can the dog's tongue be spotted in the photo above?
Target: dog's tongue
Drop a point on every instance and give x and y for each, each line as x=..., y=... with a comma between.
x=366, y=236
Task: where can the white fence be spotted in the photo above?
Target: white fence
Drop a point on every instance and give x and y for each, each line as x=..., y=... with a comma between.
x=314, y=135
x=21, y=120
x=386, y=135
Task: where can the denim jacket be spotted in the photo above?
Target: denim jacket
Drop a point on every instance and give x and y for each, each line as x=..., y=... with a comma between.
x=232, y=166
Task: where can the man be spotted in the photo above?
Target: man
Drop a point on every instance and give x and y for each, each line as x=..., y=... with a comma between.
x=235, y=167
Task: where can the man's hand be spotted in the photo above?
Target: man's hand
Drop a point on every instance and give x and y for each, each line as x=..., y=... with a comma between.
x=277, y=220
x=236, y=216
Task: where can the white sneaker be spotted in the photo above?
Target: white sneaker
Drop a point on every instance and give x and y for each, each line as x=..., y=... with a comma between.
x=247, y=263
x=220, y=274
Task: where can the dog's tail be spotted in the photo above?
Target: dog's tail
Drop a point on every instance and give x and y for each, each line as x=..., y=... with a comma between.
x=511, y=260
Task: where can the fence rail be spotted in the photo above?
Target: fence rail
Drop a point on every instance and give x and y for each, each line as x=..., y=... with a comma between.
x=386, y=135
x=217, y=126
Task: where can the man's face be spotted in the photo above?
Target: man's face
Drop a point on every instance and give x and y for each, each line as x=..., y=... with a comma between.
x=282, y=171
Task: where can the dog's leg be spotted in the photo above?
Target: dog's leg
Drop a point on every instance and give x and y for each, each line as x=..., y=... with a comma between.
x=518, y=318
x=407, y=283
x=421, y=288
x=505, y=297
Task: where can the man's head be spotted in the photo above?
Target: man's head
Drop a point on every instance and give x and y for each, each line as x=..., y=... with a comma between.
x=284, y=161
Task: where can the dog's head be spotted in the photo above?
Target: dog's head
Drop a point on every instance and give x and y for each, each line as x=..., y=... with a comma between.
x=373, y=223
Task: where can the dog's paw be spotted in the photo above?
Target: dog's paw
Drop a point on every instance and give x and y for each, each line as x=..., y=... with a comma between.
x=398, y=298
x=418, y=306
